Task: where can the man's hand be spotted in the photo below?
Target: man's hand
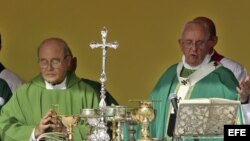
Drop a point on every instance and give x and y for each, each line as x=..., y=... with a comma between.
x=49, y=122
x=244, y=90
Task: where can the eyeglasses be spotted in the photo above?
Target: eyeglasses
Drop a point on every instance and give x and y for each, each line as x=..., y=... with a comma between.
x=190, y=43
x=55, y=63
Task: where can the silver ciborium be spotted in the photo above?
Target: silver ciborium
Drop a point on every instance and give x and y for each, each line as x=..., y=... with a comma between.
x=92, y=117
x=97, y=130
x=143, y=116
x=117, y=115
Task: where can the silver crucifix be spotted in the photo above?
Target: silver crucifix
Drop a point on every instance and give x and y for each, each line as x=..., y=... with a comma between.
x=104, y=45
x=102, y=128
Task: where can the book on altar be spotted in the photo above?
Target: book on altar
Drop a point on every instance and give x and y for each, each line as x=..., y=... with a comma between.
x=205, y=117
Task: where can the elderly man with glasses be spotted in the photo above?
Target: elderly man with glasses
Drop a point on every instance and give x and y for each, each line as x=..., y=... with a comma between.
x=28, y=114
x=196, y=76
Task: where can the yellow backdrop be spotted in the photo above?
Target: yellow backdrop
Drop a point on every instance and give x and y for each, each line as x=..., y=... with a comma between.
x=147, y=31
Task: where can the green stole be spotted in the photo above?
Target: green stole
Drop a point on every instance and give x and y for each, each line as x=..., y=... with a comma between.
x=187, y=80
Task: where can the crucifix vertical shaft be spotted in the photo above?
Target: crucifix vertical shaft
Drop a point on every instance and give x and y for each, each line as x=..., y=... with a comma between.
x=104, y=46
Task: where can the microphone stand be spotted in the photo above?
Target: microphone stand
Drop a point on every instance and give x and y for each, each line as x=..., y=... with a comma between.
x=172, y=119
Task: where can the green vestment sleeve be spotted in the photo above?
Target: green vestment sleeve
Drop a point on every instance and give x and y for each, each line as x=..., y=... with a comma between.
x=31, y=101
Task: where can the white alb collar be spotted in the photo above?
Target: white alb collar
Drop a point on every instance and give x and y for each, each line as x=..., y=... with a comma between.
x=61, y=85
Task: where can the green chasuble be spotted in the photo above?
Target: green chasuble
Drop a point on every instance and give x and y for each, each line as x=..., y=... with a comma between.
x=219, y=83
x=32, y=100
x=5, y=92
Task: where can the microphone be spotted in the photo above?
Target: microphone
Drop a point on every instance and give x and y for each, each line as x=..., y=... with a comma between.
x=1, y=101
x=173, y=98
x=171, y=124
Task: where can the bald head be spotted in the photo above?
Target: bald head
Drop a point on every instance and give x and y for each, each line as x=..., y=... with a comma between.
x=56, y=41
